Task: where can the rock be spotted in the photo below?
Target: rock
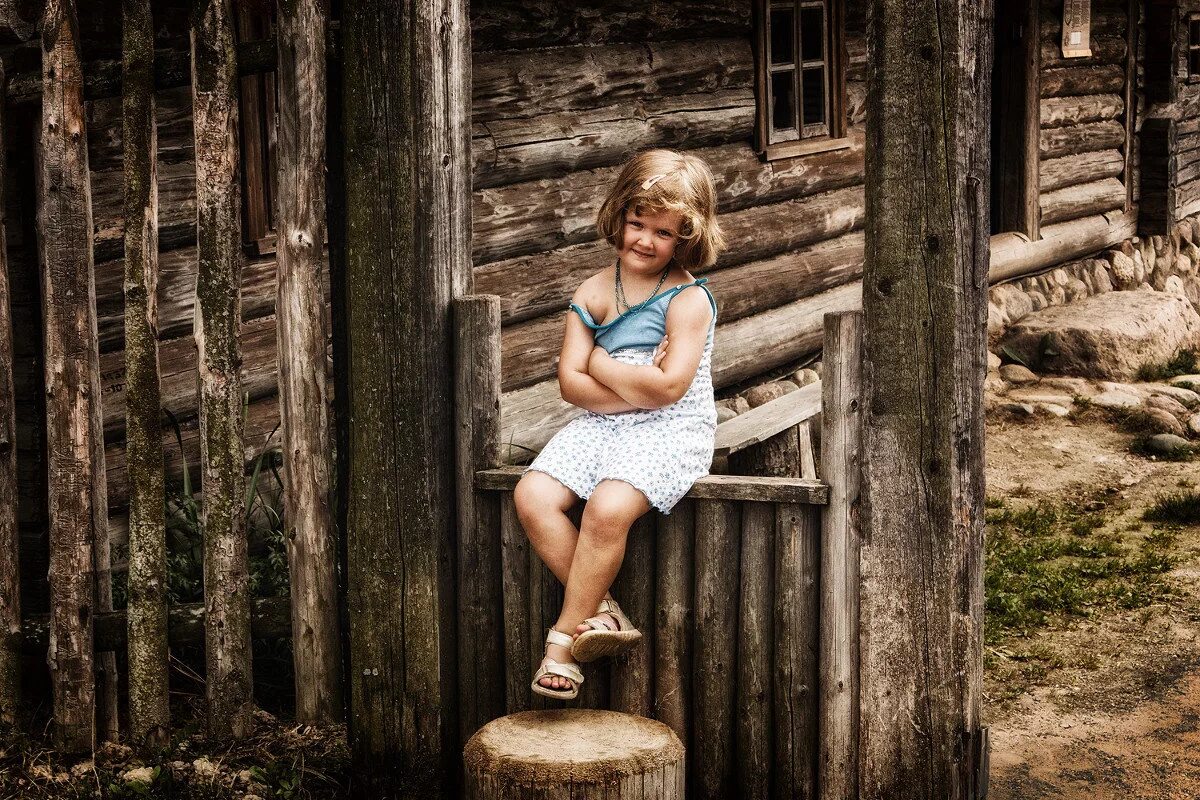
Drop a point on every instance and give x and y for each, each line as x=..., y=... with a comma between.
x=1106, y=336
x=1124, y=271
x=1155, y=420
x=1011, y=300
x=993, y=361
x=1038, y=300
x=1017, y=409
x=1191, y=382
x=803, y=377
x=1076, y=290
x=740, y=405
x=1056, y=295
x=765, y=393
x=1075, y=387
x=816, y=367
x=1039, y=395
x=1118, y=400
x=1188, y=397
x=1054, y=409
x=205, y=768
x=1101, y=277
x=82, y=769
x=142, y=775
x=724, y=413
x=992, y=382
x=1018, y=374
x=1193, y=424
x=1169, y=445
x=1174, y=285
x=1167, y=404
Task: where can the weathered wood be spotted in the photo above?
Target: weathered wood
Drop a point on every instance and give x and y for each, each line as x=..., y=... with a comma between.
x=72, y=383
x=574, y=753
x=531, y=286
x=303, y=401
x=1133, y=9
x=477, y=446
x=1079, y=139
x=1059, y=173
x=714, y=663
x=531, y=347
x=18, y=20
x=837, y=689
x=1013, y=256
x=742, y=349
x=710, y=487
x=925, y=307
x=673, y=620
x=405, y=114
x=777, y=456
x=755, y=647
x=797, y=570
x=149, y=707
x=1106, y=21
x=1157, y=178
x=514, y=579
x=1062, y=112
x=229, y=685
x=1106, y=49
x=1101, y=79
x=10, y=563
x=1074, y=202
x=523, y=218
x=270, y=618
x=1015, y=116
x=633, y=672
x=522, y=25
x=759, y=424
x=545, y=605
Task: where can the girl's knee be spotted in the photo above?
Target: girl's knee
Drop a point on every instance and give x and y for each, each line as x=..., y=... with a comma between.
x=613, y=508
x=538, y=494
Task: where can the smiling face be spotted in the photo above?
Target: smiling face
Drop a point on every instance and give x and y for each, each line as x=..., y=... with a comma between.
x=649, y=240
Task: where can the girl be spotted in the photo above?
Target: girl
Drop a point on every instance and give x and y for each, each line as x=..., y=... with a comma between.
x=635, y=356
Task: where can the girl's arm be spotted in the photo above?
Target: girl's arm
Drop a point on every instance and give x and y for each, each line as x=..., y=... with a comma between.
x=656, y=386
x=575, y=384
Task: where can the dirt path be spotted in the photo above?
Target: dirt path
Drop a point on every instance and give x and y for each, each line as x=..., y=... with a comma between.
x=1105, y=707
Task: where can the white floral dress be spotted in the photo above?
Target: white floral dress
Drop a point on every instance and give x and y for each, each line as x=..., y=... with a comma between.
x=661, y=452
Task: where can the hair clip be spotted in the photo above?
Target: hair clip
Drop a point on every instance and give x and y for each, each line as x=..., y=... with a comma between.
x=646, y=184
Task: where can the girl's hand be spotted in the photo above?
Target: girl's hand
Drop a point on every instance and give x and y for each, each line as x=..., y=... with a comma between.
x=598, y=352
x=661, y=352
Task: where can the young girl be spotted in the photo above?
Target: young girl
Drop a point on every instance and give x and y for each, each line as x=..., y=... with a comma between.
x=636, y=356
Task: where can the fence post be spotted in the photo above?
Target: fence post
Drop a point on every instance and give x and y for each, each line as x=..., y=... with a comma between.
x=837, y=771
x=10, y=570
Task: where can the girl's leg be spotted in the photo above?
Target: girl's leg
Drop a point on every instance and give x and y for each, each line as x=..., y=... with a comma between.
x=613, y=507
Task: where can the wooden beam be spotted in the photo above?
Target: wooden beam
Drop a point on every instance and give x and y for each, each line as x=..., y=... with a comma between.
x=149, y=707
x=303, y=398
x=405, y=110
x=10, y=562
x=77, y=511
x=924, y=347
x=228, y=687
x=759, y=424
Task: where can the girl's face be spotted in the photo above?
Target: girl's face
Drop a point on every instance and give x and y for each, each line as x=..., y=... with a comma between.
x=649, y=240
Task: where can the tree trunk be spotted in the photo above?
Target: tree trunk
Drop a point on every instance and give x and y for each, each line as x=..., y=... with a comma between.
x=218, y=314
x=77, y=510
x=149, y=710
x=10, y=566
x=303, y=400
x=925, y=308
x=406, y=107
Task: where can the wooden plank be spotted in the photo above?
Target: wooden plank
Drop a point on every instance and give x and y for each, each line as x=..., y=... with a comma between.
x=759, y=424
x=514, y=579
x=755, y=648
x=229, y=684
x=302, y=336
x=837, y=676
x=715, y=650
x=75, y=472
x=633, y=672
x=710, y=487
x=477, y=446
x=10, y=562
x=797, y=569
x=673, y=620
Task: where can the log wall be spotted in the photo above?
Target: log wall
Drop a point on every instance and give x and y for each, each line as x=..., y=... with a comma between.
x=1185, y=191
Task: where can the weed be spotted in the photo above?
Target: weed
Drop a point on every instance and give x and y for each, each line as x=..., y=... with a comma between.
x=1184, y=452
x=1180, y=508
x=1182, y=363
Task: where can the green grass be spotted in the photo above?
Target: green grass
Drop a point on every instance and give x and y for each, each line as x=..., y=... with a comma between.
x=1047, y=563
x=1180, y=508
x=1182, y=363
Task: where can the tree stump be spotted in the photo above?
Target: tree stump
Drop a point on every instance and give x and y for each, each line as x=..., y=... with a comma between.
x=574, y=754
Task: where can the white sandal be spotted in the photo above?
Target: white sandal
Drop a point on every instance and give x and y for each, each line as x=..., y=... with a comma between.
x=551, y=667
x=602, y=640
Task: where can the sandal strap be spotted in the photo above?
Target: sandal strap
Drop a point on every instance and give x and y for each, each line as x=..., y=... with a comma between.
x=559, y=638
x=569, y=671
x=597, y=624
x=608, y=606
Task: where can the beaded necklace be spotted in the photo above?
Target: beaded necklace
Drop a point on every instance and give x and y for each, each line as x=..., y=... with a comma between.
x=619, y=291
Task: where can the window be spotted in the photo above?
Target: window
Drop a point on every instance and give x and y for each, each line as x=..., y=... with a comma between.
x=1193, y=47
x=801, y=83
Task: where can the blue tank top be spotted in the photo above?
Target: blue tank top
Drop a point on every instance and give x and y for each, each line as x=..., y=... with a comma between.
x=644, y=328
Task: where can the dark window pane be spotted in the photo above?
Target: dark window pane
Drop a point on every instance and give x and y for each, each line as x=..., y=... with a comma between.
x=814, y=95
x=1194, y=32
x=783, y=97
x=812, y=33
x=782, y=36
x=1194, y=62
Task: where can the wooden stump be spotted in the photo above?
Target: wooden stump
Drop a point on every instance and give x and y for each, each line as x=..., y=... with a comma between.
x=574, y=754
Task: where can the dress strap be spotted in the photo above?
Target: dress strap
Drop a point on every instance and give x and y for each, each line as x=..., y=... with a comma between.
x=712, y=301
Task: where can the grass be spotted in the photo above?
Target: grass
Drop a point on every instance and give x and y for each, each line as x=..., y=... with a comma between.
x=1047, y=563
x=1182, y=363
x=1139, y=447
x=1180, y=508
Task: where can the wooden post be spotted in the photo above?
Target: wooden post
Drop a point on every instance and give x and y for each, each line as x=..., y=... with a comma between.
x=301, y=336
x=673, y=620
x=229, y=686
x=633, y=673
x=149, y=710
x=481, y=616
x=755, y=648
x=514, y=577
x=925, y=309
x=10, y=567
x=841, y=402
x=77, y=526
x=406, y=116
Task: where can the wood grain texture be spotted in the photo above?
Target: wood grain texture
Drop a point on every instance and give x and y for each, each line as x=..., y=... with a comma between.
x=1060, y=112
x=1059, y=173
x=10, y=563
x=514, y=577
x=759, y=424
x=302, y=334
x=924, y=302
x=754, y=700
x=1079, y=139
x=1083, y=200
x=633, y=672
x=673, y=602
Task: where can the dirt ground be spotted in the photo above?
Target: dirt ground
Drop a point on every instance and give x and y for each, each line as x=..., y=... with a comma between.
x=1108, y=706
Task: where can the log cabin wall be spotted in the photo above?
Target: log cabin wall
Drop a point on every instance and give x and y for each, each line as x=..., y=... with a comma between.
x=1185, y=87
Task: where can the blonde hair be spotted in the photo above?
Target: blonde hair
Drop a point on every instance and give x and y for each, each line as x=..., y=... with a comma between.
x=664, y=180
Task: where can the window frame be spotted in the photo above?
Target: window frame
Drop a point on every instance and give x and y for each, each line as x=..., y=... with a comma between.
x=834, y=62
x=1192, y=22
